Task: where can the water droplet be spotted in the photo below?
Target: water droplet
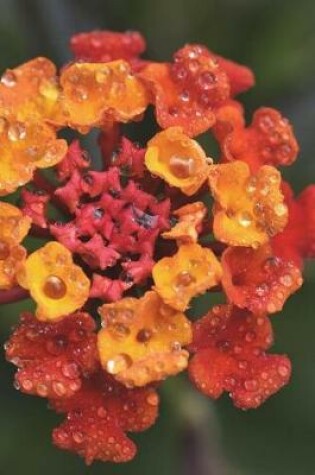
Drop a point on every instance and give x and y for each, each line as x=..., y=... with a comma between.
x=119, y=363
x=102, y=75
x=78, y=437
x=245, y=219
x=42, y=389
x=27, y=385
x=54, y=287
x=49, y=90
x=251, y=384
x=184, y=279
x=283, y=371
x=250, y=336
x=144, y=335
x=184, y=96
x=153, y=399
x=59, y=388
x=70, y=370
x=207, y=80
x=9, y=79
x=16, y=132
x=182, y=167
x=281, y=210
x=176, y=346
x=101, y=412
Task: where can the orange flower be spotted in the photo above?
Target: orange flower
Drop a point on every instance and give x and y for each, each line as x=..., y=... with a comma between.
x=57, y=285
x=179, y=160
x=268, y=140
x=189, y=221
x=30, y=91
x=249, y=209
x=95, y=94
x=191, y=271
x=25, y=147
x=14, y=226
x=141, y=340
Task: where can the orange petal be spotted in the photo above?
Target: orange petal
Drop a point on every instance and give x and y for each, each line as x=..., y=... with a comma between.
x=30, y=91
x=190, y=272
x=141, y=340
x=14, y=226
x=25, y=147
x=11, y=259
x=190, y=217
x=98, y=93
x=57, y=285
x=249, y=209
x=176, y=158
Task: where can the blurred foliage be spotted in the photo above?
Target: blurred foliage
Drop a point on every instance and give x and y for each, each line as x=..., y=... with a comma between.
x=193, y=435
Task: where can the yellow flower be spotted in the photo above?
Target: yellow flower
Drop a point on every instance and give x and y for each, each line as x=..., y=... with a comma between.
x=191, y=271
x=178, y=159
x=141, y=340
x=57, y=285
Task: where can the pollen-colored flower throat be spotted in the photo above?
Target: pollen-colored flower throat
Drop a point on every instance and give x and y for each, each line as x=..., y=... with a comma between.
x=138, y=241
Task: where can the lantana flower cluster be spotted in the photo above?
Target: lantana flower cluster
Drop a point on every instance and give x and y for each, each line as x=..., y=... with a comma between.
x=115, y=281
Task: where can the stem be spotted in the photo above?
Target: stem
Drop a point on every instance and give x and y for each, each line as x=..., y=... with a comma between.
x=42, y=233
x=13, y=295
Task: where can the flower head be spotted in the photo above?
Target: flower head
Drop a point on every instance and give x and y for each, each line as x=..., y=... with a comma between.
x=135, y=241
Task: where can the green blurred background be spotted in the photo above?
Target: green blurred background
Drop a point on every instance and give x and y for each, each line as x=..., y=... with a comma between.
x=193, y=436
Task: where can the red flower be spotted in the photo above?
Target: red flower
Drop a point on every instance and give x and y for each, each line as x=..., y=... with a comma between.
x=104, y=46
x=269, y=140
x=53, y=357
x=258, y=280
x=297, y=241
x=230, y=356
x=99, y=415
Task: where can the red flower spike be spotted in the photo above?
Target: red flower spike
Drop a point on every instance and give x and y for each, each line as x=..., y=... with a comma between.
x=52, y=357
x=129, y=158
x=297, y=240
x=258, y=280
x=99, y=415
x=105, y=46
x=69, y=194
x=230, y=356
x=241, y=78
x=187, y=92
x=34, y=205
x=75, y=159
x=269, y=140
x=138, y=271
x=109, y=290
